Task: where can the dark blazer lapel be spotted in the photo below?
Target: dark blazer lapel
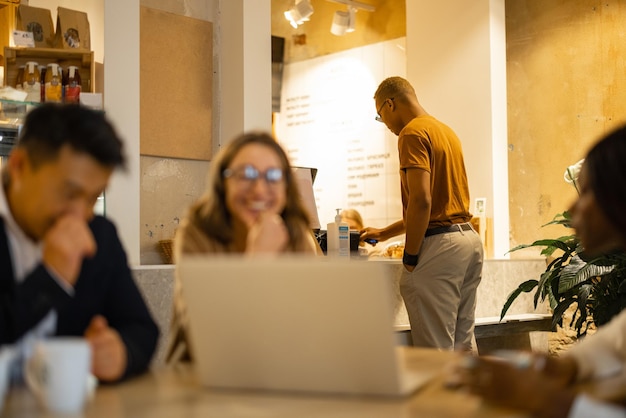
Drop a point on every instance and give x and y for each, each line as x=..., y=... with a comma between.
x=7, y=281
x=7, y=289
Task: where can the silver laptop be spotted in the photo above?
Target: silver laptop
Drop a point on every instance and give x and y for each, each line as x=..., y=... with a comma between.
x=295, y=324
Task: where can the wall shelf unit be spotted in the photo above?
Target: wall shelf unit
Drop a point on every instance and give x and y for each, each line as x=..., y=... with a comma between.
x=14, y=57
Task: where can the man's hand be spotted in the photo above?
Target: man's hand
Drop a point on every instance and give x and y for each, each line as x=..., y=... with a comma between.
x=109, y=359
x=65, y=246
x=371, y=233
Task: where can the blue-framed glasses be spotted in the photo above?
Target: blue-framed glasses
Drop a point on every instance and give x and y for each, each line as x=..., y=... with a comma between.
x=249, y=174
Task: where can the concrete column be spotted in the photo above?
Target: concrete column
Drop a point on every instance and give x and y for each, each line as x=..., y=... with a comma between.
x=243, y=98
x=121, y=103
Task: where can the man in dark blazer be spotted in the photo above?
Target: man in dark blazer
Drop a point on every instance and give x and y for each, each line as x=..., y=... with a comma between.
x=63, y=271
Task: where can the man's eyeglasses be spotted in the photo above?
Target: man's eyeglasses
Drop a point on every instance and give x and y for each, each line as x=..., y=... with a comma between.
x=378, y=117
x=248, y=174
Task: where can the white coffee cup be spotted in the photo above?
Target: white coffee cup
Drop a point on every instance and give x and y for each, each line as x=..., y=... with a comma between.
x=7, y=354
x=58, y=373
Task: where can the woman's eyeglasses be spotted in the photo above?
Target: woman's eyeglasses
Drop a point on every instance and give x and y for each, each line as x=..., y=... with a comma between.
x=249, y=174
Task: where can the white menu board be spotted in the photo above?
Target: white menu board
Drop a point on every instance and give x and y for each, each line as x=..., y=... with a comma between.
x=327, y=122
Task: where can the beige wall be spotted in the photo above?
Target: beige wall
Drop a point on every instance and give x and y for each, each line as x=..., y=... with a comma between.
x=168, y=186
x=455, y=61
x=566, y=87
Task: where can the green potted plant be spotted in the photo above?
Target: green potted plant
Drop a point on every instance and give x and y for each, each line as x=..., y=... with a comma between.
x=596, y=285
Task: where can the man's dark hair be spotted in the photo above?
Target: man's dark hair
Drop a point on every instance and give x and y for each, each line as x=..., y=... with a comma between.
x=50, y=126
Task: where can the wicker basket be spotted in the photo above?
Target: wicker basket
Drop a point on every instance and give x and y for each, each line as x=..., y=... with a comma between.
x=166, y=246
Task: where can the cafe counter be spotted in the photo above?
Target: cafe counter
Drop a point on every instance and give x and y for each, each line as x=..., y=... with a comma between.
x=500, y=277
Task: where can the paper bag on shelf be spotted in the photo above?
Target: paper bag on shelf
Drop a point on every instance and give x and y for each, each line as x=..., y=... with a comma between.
x=72, y=30
x=38, y=21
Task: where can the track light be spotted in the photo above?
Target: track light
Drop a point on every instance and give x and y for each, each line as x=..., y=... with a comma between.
x=299, y=13
x=344, y=21
x=341, y=20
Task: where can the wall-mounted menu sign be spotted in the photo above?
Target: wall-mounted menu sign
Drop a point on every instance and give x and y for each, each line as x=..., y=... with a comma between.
x=327, y=122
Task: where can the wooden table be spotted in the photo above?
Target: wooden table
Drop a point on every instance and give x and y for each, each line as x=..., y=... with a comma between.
x=174, y=392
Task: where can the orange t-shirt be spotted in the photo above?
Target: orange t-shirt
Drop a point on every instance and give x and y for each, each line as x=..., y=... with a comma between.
x=428, y=144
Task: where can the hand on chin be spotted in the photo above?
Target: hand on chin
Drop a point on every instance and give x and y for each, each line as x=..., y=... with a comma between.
x=267, y=235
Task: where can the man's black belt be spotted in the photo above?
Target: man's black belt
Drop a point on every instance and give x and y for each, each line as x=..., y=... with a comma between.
x=447, y=229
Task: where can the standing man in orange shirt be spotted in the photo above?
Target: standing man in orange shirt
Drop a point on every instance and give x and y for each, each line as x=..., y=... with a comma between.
x=443, y=255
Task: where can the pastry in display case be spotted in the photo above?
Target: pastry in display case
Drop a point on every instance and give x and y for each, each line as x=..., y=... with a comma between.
x=11, y=116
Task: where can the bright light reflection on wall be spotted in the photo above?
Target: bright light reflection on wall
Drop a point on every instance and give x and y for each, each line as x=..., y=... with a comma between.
x=327, y=122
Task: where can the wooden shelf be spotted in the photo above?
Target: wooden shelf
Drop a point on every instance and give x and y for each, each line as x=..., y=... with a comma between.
x=14, y=57
x=49, y=53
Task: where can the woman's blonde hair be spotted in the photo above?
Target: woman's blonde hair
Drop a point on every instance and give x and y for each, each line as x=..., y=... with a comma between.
x=353, y=215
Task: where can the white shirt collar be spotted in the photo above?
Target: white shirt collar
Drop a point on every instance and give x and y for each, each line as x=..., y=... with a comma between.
x=25, y=253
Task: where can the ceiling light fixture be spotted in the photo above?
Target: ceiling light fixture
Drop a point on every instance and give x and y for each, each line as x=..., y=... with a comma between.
x=344, y=21
x=299, y=13
x=341, y=22
x=351, y=19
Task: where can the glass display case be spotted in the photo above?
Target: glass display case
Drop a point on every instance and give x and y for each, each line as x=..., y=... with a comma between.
x=12, y=116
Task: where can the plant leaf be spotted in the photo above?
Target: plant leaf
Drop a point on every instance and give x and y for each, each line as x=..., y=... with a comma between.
x=567, y=244
x=559, y=310
x=544, y=285
x=596, y=284
x=525, y=287
x=577, y=272
x=564, y=219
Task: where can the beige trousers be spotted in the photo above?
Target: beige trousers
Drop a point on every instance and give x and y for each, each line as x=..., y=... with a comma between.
x=440, y=294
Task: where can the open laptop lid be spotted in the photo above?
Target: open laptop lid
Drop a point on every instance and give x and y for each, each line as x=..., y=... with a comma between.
x=297, y=324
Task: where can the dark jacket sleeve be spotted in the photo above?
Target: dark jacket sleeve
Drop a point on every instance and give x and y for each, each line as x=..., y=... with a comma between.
x=24, y=305
x=106, y=287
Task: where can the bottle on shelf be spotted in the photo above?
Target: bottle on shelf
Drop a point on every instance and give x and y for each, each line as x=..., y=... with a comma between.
x=19, y=79
x=53, y=83
x=42, y=80
x=72, y=85
x=63, y=83
x=32, y=82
